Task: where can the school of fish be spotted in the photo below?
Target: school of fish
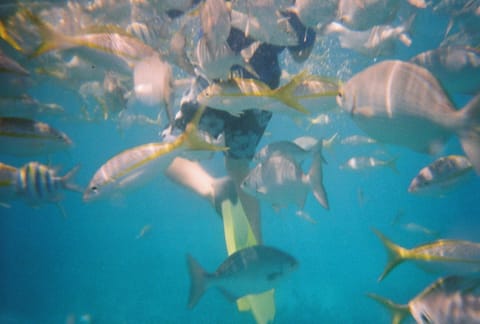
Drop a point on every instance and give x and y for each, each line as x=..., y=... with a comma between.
x=128, y=63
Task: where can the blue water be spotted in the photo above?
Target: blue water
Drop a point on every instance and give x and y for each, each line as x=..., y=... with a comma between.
x=91, y=262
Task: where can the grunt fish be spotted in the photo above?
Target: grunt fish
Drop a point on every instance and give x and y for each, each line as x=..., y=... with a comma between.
x=251, y=270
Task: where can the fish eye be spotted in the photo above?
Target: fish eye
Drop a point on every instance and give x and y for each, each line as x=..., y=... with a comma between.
x=94, y=189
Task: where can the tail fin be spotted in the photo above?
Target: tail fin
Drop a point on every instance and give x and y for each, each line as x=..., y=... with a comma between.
x=470, y=132
x=285, y=93
x=51, y=39
x=66, y=180
x=198, y=281
x=392, y=164
x=315, y=177
x=398, y=312
x=395, y=254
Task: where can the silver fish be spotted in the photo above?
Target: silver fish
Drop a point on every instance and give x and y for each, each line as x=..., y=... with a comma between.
x=280, y=181
x=441, y=176
x=287, y=148
x=405, y=105
x=27, y=137
x=312, y=13
x=453, y=299
x=357, y=140
x=247, y=271
x=368, y=162
x=453, y=256
x=456, y=67
x=364, y=14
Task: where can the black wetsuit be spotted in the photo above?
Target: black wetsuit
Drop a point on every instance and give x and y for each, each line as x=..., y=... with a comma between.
x=241, y=134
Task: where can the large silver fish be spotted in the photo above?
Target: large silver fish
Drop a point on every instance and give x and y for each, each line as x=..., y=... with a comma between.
x=27, y=137
x=405, y=105
x=248, y=271
x=453, y=299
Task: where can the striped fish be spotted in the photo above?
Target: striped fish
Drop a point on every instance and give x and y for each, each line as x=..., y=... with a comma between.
x=38, y=184
x=27, y=137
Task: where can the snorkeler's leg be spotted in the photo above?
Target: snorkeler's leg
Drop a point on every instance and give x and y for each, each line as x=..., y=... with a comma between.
x=192, y=176
x=238, y=169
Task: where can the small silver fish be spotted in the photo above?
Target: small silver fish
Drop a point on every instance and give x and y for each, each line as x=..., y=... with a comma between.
x=441, y=176
x=364, y=14
x=287, y=148
x=27, y=137
x=357, y=140
x=368, y=162
x=405, y=105
x=252, y=270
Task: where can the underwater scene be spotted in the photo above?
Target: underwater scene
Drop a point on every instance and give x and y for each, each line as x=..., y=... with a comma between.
x=212, y=161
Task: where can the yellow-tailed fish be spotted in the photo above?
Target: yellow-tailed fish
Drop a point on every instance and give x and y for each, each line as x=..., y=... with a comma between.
x=239, y=94
x=26, y=137
x=453, y=299
x=105, y=39
x=453, y=256
x=136, y=166
x=405, y=105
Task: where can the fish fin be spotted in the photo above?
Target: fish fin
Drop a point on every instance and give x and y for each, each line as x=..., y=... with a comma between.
x=398, y=312
x=329, y=142
x=315, y=179
x=395, y=254
x=61, y=209
x=193, y=140
x=286, y=96
x=66, y=180
x=262, y=190
x=470, y=133
x=392, y=164
x=198, y=281
x=9, y=39
x=51, y=39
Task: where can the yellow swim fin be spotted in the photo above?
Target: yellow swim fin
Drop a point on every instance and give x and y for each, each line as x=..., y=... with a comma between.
x=239, y=235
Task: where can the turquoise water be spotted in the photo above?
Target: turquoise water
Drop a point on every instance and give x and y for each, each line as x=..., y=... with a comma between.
x=91, y=262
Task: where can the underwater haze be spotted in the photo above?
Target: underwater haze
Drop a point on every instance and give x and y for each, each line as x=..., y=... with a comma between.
x=123, y=259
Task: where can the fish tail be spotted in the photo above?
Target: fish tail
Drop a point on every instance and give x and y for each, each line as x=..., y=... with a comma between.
x=286, y=95
x=315, y=178
x=395, y=254
x=470, y=132
x=198, y=281
x=398, y=312
x=50, y=38
x=329, y=142
x=392, y=164
x=9, y=39
x=66, y=180
x=193, y=141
